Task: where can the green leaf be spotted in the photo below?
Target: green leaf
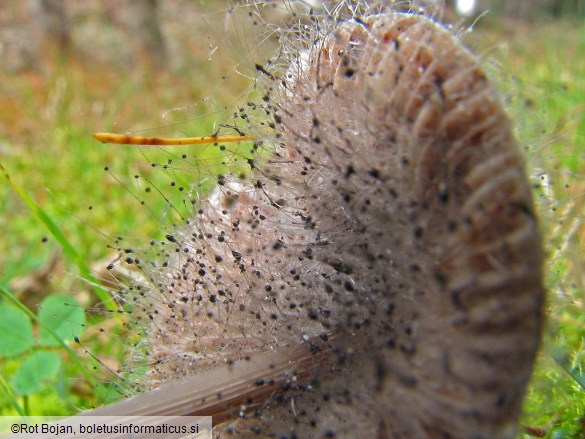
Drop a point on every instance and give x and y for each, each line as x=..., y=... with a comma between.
x=36, y=372
x=64, y=316
x=72, y=355
x=560, y=434
x=16, y=330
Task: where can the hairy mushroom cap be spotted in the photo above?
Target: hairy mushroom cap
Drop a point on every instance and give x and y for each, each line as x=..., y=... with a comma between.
x=393, y=214
x=421, y=194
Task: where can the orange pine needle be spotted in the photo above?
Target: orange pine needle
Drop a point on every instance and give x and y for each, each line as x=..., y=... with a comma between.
x=124, y=139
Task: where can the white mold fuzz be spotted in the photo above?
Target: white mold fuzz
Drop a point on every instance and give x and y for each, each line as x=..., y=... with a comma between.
x=391, y=216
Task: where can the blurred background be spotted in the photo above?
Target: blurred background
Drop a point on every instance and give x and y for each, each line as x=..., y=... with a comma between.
x=70, y=68
x=522, y=9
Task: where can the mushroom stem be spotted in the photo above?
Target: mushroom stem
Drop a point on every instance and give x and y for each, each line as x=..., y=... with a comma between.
x=226, y=392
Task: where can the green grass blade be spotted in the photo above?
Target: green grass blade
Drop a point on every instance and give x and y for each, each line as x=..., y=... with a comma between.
x=10, y=395
x=68, y=249
x=563, y=360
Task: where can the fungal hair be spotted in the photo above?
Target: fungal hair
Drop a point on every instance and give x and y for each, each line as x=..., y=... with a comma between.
x=388, y=215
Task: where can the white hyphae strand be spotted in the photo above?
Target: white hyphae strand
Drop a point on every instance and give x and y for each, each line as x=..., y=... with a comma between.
x=387, y=215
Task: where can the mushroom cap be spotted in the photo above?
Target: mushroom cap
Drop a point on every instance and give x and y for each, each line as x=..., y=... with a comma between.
x=391, y=217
